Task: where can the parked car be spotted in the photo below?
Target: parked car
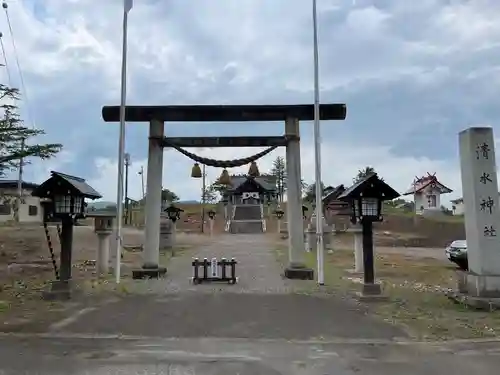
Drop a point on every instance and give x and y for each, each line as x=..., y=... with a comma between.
x=456, y=252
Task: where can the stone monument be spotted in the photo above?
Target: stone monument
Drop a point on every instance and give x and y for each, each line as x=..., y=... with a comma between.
x=311, y=233
x=482, y=214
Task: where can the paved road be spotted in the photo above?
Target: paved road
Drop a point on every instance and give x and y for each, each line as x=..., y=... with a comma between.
x=261, y=305
x=131, y=356
x=259, y=326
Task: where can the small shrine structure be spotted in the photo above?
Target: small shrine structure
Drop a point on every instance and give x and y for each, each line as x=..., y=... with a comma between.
x=250, y=190
x=427, y=191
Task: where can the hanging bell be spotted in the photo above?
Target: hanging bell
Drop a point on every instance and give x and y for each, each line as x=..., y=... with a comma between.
x=196, y=171
x=253, y=171
x=224, y=178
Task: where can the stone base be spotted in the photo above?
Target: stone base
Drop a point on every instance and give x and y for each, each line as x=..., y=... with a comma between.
x=149, y=273
x=299, y=273
x=371, y=293
x=59, y=291
x=482, y=286
x=478, y=303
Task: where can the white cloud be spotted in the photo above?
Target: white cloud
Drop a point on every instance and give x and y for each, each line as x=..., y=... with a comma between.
x=385, y=58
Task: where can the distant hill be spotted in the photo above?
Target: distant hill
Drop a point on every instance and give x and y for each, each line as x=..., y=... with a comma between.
x=106, y=205
x=101, y=205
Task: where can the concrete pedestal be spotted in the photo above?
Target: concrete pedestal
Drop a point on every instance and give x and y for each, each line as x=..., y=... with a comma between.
x=60, y=291
x=149, y=273
x=103, y=253
x=167, y=233
x=311, y=234
x=299, y=273
x=371, y=292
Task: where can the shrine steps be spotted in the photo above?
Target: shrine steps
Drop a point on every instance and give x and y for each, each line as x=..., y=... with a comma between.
x=247, y=219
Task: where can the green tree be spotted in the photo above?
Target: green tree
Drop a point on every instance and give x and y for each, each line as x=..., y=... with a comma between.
x=310, y=192
x=169, y=196
x=14, y=136
x=362, y=173
x=218, y=188
x=278, y=171
x=210, y=194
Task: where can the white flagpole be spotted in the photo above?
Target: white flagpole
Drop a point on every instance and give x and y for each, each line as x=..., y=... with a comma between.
x=127, y=6
x=317, y=157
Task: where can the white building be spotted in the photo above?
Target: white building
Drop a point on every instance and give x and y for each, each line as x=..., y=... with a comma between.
x=458, y=206
x=426, y=193
x=30, y=209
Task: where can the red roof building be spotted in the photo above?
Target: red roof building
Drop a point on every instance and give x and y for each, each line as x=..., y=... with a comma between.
x=426, y=191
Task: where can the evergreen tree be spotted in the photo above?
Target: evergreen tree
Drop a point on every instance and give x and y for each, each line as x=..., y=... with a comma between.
x=15, y=138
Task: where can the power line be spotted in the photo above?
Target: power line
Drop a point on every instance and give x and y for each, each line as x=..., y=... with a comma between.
x=16, y=55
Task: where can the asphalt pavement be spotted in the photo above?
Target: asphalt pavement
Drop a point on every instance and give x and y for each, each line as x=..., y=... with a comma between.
x=96, y=355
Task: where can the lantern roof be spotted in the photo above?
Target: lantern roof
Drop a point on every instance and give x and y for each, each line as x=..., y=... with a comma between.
x=173, y=208
x=370, y=186
x=64, y=182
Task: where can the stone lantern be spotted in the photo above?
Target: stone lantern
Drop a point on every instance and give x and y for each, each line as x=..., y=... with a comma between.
x=64, y=196
x=103, y=227
x=365, y=198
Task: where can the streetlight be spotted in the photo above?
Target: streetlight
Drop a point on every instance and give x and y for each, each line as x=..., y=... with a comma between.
x=141, y=173
x=279, y=215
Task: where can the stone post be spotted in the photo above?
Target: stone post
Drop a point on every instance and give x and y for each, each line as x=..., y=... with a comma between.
x=103, y=252
x=166, y=232
x=358, y=248
x=482, y=213
x=296, y=247
x=279, y=226
x=211, y=223
x=311, y=235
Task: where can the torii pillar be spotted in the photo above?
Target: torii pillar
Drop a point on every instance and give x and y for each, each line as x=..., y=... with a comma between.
x=151, y=255
x=296, y=268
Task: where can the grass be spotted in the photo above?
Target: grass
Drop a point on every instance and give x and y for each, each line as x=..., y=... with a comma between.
x=416, y=300
x=107, y=283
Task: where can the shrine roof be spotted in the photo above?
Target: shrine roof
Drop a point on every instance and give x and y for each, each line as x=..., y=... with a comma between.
x=237, y=181
x=333, y=193
x=427, y=181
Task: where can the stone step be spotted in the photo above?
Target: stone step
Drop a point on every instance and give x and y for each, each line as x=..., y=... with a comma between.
x=247, y=212
x=242, y=226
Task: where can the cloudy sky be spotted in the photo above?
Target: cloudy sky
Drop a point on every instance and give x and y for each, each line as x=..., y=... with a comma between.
x=412, y=73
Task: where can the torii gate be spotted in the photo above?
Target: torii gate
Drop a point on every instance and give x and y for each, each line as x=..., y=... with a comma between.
x=289, y=114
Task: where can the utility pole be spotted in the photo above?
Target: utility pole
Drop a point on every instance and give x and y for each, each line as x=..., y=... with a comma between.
x=17, y=216
x=127, y=165
x=141, y=173
x=203, y=193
